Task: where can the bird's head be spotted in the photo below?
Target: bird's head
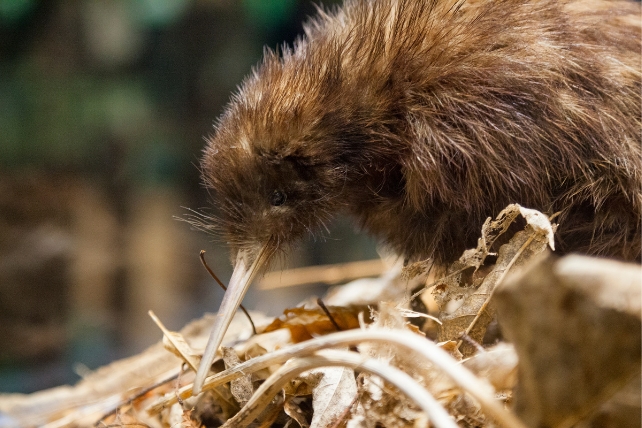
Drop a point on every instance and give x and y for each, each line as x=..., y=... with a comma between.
x=275, y=170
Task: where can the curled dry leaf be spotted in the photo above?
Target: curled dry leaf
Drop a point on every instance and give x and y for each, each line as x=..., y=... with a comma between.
x=491, y=230
x=476, y=310
x=459, y=276
x=540, y=224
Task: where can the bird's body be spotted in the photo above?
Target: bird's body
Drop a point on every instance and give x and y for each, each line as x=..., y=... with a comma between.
x=423, y=118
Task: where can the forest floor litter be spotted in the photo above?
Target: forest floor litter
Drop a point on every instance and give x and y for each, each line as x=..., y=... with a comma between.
x=510, y=335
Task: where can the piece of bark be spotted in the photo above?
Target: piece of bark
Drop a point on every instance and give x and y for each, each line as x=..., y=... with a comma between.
x=575, y=324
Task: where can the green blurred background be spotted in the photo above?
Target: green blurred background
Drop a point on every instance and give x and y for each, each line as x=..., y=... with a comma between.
x=103, y=109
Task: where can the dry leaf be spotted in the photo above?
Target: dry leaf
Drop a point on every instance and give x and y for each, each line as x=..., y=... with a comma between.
x=477, y=311
x=540, y=224
x=451, y=347
x=491, y=230
x=459, y=275
x=332, y=396
x=180, y=418
x=241, y=388
x=380, y=404
x=188, y=422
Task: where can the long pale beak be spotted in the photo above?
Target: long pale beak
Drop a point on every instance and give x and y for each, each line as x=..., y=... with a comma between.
x=248, y=264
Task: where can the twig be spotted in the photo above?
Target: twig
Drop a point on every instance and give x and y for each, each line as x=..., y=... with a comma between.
x=325, y=309
x=328, y=274
x=178, y=383
x=213, y=275
x=332, y=358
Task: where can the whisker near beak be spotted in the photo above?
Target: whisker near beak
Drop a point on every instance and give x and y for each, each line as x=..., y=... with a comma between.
x=248, y=264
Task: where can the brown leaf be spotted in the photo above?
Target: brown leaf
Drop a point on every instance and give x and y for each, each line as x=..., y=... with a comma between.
x=306, y=323
x=187, y=421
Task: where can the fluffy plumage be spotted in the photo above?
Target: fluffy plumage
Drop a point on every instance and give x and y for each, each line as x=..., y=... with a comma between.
x=422, y=118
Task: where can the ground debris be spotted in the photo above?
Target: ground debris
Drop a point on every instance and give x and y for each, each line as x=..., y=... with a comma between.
x=573, y=324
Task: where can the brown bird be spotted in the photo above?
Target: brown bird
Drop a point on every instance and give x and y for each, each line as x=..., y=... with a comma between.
x=422, y=118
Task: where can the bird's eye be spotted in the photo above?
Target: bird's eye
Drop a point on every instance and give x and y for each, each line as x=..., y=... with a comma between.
x=278, y=198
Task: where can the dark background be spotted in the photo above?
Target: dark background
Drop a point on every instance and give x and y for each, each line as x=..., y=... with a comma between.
x=103, y=109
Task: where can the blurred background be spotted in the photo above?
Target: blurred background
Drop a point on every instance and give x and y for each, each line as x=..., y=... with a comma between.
x=103, y=108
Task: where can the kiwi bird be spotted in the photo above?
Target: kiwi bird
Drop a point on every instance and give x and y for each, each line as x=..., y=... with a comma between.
x=422, y=118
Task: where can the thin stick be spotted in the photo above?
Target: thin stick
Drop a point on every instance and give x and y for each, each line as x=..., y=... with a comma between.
x=213, y=275
x=328, y=274
x=325, y=309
